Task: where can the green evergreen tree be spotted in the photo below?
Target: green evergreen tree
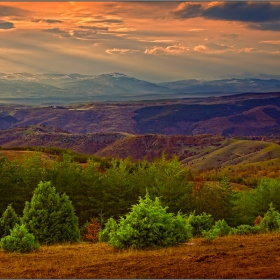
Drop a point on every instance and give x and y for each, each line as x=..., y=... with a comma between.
x=200, y=223
x=8, y=221
x=270, y=221
x=51, y=217
x=147, y=225
x=20, y=240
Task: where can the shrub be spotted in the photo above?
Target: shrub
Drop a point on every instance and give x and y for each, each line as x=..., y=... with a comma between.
x=110, y=228
x=241, y=230
x=51, y=217
x=20, y=240
x=222, y=227
x=8, y=221
x=147, y=225
x=200, y=223
x=245, y=229
x=271, y=219
x=211, y=234
x=256, y=229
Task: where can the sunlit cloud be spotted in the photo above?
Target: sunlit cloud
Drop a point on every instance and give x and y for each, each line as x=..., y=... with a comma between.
x=156, y=40
x=248, y=50
x=120, y=51
x=170, y=50
x=273, y=42
x=46, y=20
x=196, y=29
x=200, y=48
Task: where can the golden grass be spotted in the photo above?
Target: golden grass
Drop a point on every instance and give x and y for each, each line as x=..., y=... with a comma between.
x=226, y=257
x=19, y=155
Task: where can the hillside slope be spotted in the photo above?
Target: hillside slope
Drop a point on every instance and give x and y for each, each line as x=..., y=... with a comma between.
x=197, y=152
x=233, y=152
x=251, y=114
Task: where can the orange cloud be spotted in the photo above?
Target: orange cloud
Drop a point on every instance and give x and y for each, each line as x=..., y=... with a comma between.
x=170, y=50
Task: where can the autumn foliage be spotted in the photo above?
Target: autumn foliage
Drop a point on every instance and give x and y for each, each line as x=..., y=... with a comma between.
x=93, y=230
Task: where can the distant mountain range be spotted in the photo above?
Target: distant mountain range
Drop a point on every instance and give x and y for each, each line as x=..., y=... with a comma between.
x=26, y=88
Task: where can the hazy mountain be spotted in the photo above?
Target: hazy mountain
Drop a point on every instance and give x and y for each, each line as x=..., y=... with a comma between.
x=75, y=87
x=223, y=85
x=66, y=88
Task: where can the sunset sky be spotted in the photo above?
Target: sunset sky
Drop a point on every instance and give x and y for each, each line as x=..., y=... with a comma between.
x=154, y=41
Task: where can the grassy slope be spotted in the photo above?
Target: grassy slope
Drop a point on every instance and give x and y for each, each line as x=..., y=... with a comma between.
x=11, y=155
x=230, y=157
x=226, y=257
x=233, y=153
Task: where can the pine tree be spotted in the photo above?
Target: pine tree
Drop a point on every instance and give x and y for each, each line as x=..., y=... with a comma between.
x=8, y=221
x=51, y=217
x=147, y=225
x=20, y=240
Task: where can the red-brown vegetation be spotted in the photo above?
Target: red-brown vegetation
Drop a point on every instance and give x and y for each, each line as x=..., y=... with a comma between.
x=93, y=230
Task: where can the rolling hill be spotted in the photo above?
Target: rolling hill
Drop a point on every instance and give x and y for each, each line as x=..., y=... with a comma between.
x=198, y=153
x=250, y=114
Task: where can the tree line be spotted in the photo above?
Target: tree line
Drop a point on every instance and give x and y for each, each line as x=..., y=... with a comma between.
x=109, y=189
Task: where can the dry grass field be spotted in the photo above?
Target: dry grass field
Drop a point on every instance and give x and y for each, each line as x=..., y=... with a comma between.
x=19, y=155
x=226, y=257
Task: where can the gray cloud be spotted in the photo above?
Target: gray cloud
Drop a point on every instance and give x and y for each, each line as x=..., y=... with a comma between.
x=236, y=11
x=84, y=33
x=47, y=20
x=96, y=28
x=6, y=25
x=12, y=11
x=242, y=11
x=273, y=26
x=57, y=31
x=231, y=36
x=107, y=21
x=214, y=46
x=189, y=11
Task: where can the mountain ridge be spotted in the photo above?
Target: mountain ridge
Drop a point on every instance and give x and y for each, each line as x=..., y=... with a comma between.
x=37, y=89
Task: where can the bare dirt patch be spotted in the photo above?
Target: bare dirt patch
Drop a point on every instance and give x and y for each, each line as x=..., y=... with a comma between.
x=226, y=257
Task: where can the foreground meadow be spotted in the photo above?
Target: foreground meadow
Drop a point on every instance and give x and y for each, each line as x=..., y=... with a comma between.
x=226, y=257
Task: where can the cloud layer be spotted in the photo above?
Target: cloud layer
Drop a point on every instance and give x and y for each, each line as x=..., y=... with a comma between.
x=156, y=41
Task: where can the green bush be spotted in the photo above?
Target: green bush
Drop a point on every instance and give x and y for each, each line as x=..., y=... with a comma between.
x=256, y=229
x=51, y=217
x=245, y=229
x=20, y=240
x=147, y=225
x=222, y=227
x=110, y=228
x=241, y=230
x=271, y=219
x=8, y=221
x=200, y=223
x=211, y=234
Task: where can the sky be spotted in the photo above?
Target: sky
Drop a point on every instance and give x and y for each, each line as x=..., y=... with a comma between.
x=153, y=41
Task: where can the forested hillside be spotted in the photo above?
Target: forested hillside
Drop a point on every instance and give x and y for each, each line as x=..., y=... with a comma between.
x=108, y=188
